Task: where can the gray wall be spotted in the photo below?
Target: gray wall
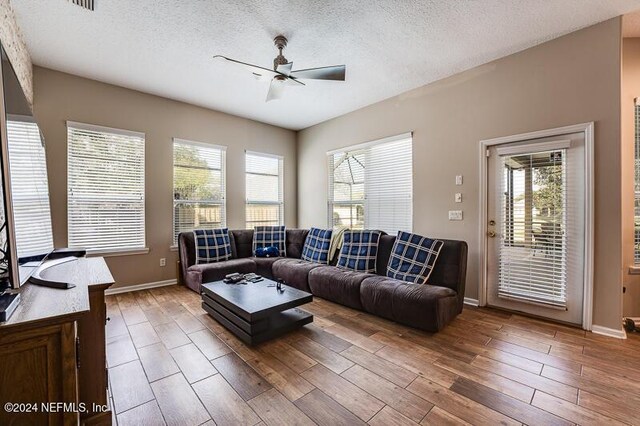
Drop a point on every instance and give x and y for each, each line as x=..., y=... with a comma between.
x=569, y=80
x=61, y=97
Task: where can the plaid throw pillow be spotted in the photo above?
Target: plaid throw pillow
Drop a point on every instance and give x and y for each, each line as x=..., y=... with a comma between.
x=212, y=245
x=270, y=236
x=316, y=245
x=413, y=257
x=359, y=250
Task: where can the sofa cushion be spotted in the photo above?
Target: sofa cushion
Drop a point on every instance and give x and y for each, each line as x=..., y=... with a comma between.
x=241, y=243
x=359, y=250
x=294, y=272
x=270, y=236
x=426, y=307
x=376, y=295
x=413, y=257
x=337, y=285
x=212, y=245
x=264, y=265
x=316, y=246
x=204, y=273
x=295, y=242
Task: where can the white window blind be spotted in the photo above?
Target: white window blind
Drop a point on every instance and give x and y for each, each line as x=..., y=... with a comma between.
x=105, y=180
x=371, y=185
x=29, y=187
x=637, y=185
x=264, y=190
x=533, y=245
x=198, y=187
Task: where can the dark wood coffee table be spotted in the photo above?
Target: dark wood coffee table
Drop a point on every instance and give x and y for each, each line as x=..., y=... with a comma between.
x=256, y=312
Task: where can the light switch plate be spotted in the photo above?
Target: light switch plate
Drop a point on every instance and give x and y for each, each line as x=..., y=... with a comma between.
x=458, y=197
x=455, y=214
x=459, y=180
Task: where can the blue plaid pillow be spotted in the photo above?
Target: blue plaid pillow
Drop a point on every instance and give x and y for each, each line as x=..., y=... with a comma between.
x=316, y=245
x=413, y=257
x=270, y=236
x=359, y=250
x=212, y=245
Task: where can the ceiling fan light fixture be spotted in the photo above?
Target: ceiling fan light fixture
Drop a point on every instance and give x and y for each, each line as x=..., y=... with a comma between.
x=282, y=73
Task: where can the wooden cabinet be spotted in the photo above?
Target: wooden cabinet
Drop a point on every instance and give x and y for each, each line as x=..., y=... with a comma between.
x=52, y=351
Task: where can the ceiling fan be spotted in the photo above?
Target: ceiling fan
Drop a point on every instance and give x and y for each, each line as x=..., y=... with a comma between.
x=282, y=75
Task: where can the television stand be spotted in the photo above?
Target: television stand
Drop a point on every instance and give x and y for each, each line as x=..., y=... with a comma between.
x=8, y=303
x=53, y=348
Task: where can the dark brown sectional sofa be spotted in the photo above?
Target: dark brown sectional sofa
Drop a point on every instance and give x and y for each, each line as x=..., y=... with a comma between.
x=428, y=306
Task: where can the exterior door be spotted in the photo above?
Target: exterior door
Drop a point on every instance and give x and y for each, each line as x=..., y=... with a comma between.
x=536, y=227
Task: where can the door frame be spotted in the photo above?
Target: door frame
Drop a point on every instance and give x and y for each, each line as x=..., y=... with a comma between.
x=588, y=130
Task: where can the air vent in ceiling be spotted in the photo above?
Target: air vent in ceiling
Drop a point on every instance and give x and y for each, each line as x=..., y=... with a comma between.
x=87, y=4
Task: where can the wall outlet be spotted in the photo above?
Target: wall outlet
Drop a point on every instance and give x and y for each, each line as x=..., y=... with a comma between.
x=455, y=214
x=458, y=197
x=459, y=180
x=163, y=261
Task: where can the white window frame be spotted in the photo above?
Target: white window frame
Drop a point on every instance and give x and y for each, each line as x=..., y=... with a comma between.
x=223, y=166
x=280, y=202
x=354, y=149
x=142, y=249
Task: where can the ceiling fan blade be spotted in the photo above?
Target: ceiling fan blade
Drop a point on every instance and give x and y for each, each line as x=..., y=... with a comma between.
x=276, y=89
x=336, y=72
x=285, y=68
x=255, y=69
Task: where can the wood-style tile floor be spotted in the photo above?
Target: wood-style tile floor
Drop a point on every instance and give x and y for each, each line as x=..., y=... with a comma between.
x=169, y=362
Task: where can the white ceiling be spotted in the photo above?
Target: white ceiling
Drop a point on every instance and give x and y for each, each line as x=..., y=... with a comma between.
x=164, y=47
x=631, y=25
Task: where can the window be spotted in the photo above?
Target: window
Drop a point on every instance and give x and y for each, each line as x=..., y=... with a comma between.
x=29, y=187
x=105, y=181
x=637, y=185
x=533, y=208
x=264, y=190
x=371, y=185
x=198, y=187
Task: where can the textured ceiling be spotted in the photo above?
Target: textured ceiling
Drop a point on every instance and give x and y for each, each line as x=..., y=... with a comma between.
x=631, y=25
x=164, y=47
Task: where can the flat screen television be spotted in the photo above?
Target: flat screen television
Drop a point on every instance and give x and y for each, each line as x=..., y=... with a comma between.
x=26, y=239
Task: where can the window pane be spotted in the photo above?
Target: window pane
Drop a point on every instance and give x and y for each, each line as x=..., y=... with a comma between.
x=351, y=215
x=106, y=188
x=263, y=214
x=264, y=190
x=372, y=187
x=30, y=189
x=198, y=187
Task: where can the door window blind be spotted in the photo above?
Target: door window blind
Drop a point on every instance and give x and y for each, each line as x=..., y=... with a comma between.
x=198, y=187
x=533, y=243
x=637, y=185
x=371, y=185
x=30, y=188
x=105, y=188
x=264, y=190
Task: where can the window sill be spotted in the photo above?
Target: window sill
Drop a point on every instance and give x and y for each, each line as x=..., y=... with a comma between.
x=119, y=252
x=634, y=270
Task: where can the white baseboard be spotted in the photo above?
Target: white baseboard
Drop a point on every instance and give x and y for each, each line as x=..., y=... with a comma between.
x=471, y=302
x=138, y=287
x=610, y=332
